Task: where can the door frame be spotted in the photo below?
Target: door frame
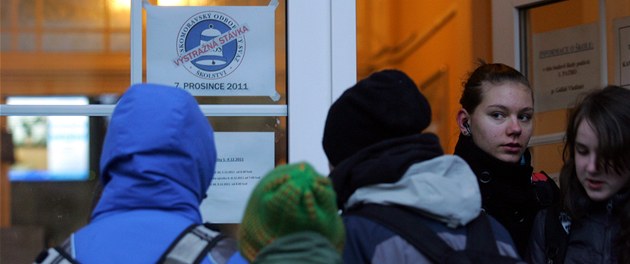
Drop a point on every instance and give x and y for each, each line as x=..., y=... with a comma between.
x=321, y=65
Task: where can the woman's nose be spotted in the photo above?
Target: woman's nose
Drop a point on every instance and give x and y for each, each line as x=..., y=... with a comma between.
x=514, y=128
x=593, y=164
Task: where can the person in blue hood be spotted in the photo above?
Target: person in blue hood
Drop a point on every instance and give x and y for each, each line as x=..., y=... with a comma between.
x=157, y=163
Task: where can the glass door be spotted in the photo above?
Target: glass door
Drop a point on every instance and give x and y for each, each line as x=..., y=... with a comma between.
x=80, y=49
x=565, y=48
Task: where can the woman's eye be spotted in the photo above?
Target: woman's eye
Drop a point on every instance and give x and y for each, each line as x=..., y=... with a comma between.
x=525, y=117
x=497, y=115
x=581, y=150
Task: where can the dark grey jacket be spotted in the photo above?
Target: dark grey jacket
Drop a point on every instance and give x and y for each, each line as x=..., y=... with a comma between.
x=590, y=240
x=412, y=172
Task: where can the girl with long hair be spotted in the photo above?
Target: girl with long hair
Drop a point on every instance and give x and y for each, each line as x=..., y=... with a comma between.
x=595, y=185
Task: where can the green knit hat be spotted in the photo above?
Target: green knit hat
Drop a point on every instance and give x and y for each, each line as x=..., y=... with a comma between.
x=290, y=198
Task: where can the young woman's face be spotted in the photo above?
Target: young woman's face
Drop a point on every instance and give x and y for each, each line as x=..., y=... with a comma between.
x=502, y=123
x=598, y=183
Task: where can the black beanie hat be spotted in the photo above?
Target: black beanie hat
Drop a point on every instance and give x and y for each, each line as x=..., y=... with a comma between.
x=385, y=105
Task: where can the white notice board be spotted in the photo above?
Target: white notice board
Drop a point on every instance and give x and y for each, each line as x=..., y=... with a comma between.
x=213, y=50
x=243, y=158
x=566, y=64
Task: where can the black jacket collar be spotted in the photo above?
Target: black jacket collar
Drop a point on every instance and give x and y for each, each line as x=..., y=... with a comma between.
x=384, y=162
x=488, y=168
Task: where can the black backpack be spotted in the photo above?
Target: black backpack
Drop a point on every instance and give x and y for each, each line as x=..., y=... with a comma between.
x=548, y=195
x=555, y=236
x=481, y=245
x=191, y=246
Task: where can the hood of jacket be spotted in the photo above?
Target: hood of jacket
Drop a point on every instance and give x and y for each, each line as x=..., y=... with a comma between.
x=443, y=188
x=384, y=162
x=158, y=154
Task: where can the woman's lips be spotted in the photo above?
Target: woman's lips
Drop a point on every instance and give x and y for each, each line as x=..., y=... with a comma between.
x=512, y=147
x=594, y=185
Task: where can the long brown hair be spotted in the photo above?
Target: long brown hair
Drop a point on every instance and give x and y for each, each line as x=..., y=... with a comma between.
x=608, y=112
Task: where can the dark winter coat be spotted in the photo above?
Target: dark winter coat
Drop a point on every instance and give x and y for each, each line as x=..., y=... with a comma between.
x=411, y=172
x=591, y=239
x=509, y=193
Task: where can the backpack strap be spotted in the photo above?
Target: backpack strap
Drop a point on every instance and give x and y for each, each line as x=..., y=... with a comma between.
x=55, y=255
x=402, y=220
x=480, y=237
x=192, y=245
x=555, y=236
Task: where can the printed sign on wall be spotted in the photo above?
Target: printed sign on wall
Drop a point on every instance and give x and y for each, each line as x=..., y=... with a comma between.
x=566, y=64
x=622, y=37
x=243, y=158
x=213, y=50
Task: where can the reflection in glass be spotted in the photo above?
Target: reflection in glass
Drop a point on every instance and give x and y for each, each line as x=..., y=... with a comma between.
x=540, y=21
x=53, y=148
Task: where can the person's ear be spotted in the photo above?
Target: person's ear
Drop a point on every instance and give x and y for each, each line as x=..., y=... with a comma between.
x=463, y=122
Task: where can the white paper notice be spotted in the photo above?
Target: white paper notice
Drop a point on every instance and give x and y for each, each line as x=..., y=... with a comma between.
x=68, y=146
x=622, y=37
x=566, y=64
x=213, y=50
x=243, y=158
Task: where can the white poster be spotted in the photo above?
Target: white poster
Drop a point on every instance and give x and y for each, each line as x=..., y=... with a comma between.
x=243, y=158
x=622, y=37
x=566, y=64
x=213, y=50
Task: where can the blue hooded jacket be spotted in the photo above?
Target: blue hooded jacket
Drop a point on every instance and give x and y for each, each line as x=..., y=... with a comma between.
x=157, y=162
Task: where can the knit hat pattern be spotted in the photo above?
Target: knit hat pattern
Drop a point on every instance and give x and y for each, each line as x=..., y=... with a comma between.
x=289, y=199
x=385, y=105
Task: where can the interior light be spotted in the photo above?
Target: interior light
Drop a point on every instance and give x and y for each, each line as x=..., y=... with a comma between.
x=120, y=5
x=171, y=2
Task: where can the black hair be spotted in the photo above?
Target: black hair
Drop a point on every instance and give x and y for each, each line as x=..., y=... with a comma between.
x=608, y=112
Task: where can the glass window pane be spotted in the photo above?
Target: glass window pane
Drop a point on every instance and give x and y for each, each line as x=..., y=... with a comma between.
x=82, y=48
x=277, y=125
x=74, y=27
x=556, y=66
x=5, y=42
x=548, y=24
x=26, y=12
x=27, y=42
x=5, y=15
x=48, y=212
x=72, y=42
x=72, y=199
x=73, y=14
x=50, y=148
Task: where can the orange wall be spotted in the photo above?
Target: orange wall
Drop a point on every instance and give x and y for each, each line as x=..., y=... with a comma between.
x=436, y=42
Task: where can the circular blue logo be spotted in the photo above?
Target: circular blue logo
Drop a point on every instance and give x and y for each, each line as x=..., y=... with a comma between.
x=212, y=44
